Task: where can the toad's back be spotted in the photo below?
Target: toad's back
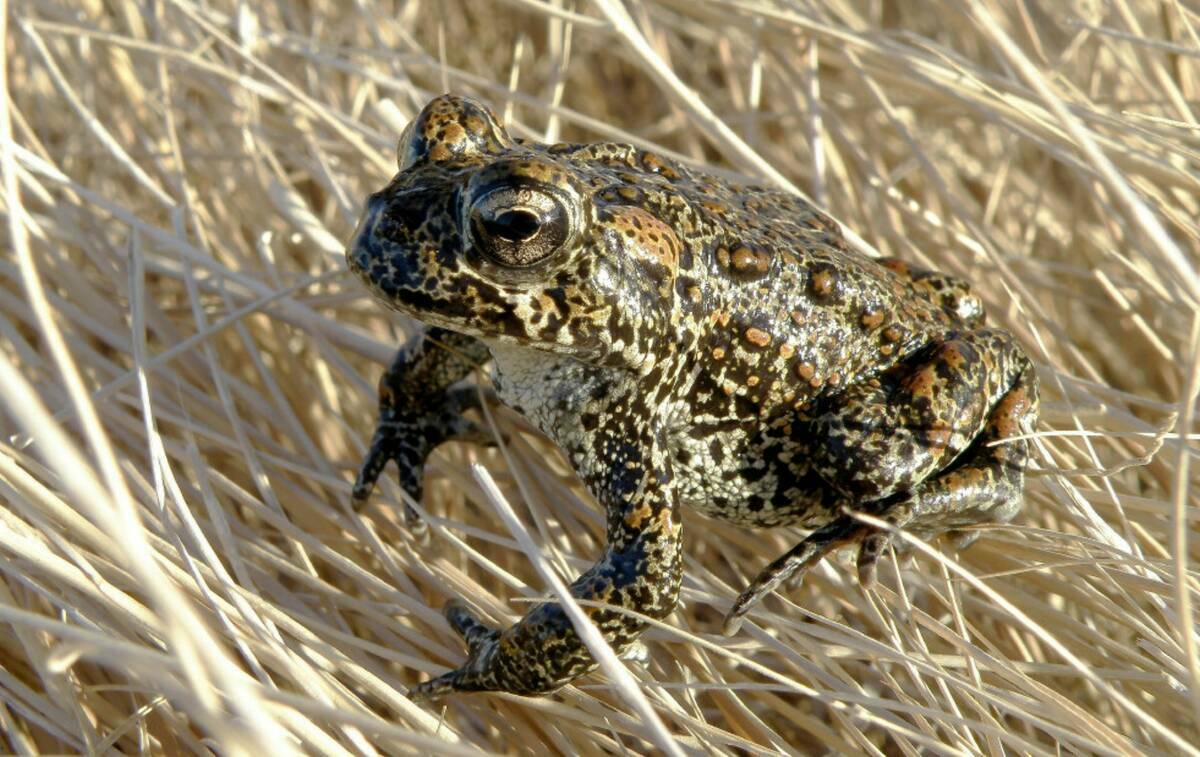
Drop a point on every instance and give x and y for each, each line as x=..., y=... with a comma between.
x=785, y=314
x=790, y=313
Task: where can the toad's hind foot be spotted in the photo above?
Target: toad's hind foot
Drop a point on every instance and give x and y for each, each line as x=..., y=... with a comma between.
x=796, y=561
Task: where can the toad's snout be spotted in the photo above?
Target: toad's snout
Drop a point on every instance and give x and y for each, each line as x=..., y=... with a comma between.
x=384, y=251
x=363, y=248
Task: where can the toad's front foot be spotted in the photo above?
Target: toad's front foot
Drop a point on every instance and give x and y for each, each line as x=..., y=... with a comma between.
x=418, y=410
x=497, y=661
x=538, y=655
x=408, y=434
x=476, y=673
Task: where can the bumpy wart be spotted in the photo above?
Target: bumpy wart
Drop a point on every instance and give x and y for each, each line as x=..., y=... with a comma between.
x=687, y=341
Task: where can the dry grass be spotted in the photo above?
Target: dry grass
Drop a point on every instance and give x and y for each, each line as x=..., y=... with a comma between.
x=187, y=375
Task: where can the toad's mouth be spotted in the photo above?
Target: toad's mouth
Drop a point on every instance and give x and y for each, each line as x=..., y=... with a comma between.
x=496, y=328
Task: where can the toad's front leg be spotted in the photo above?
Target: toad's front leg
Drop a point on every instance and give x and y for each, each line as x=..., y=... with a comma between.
x=639, y=571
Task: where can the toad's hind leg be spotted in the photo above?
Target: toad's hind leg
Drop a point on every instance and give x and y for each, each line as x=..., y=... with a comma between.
x=883, y=436
x=982, y=484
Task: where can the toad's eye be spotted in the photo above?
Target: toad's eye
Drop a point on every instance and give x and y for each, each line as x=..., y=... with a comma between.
x=518, y=226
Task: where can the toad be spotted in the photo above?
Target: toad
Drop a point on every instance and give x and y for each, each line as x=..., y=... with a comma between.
x=686, y=341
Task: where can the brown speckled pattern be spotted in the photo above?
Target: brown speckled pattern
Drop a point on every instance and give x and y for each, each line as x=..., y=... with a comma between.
x=686, y=341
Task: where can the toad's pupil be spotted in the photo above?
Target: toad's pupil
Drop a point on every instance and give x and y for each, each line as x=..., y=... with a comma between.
x=513, y=226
